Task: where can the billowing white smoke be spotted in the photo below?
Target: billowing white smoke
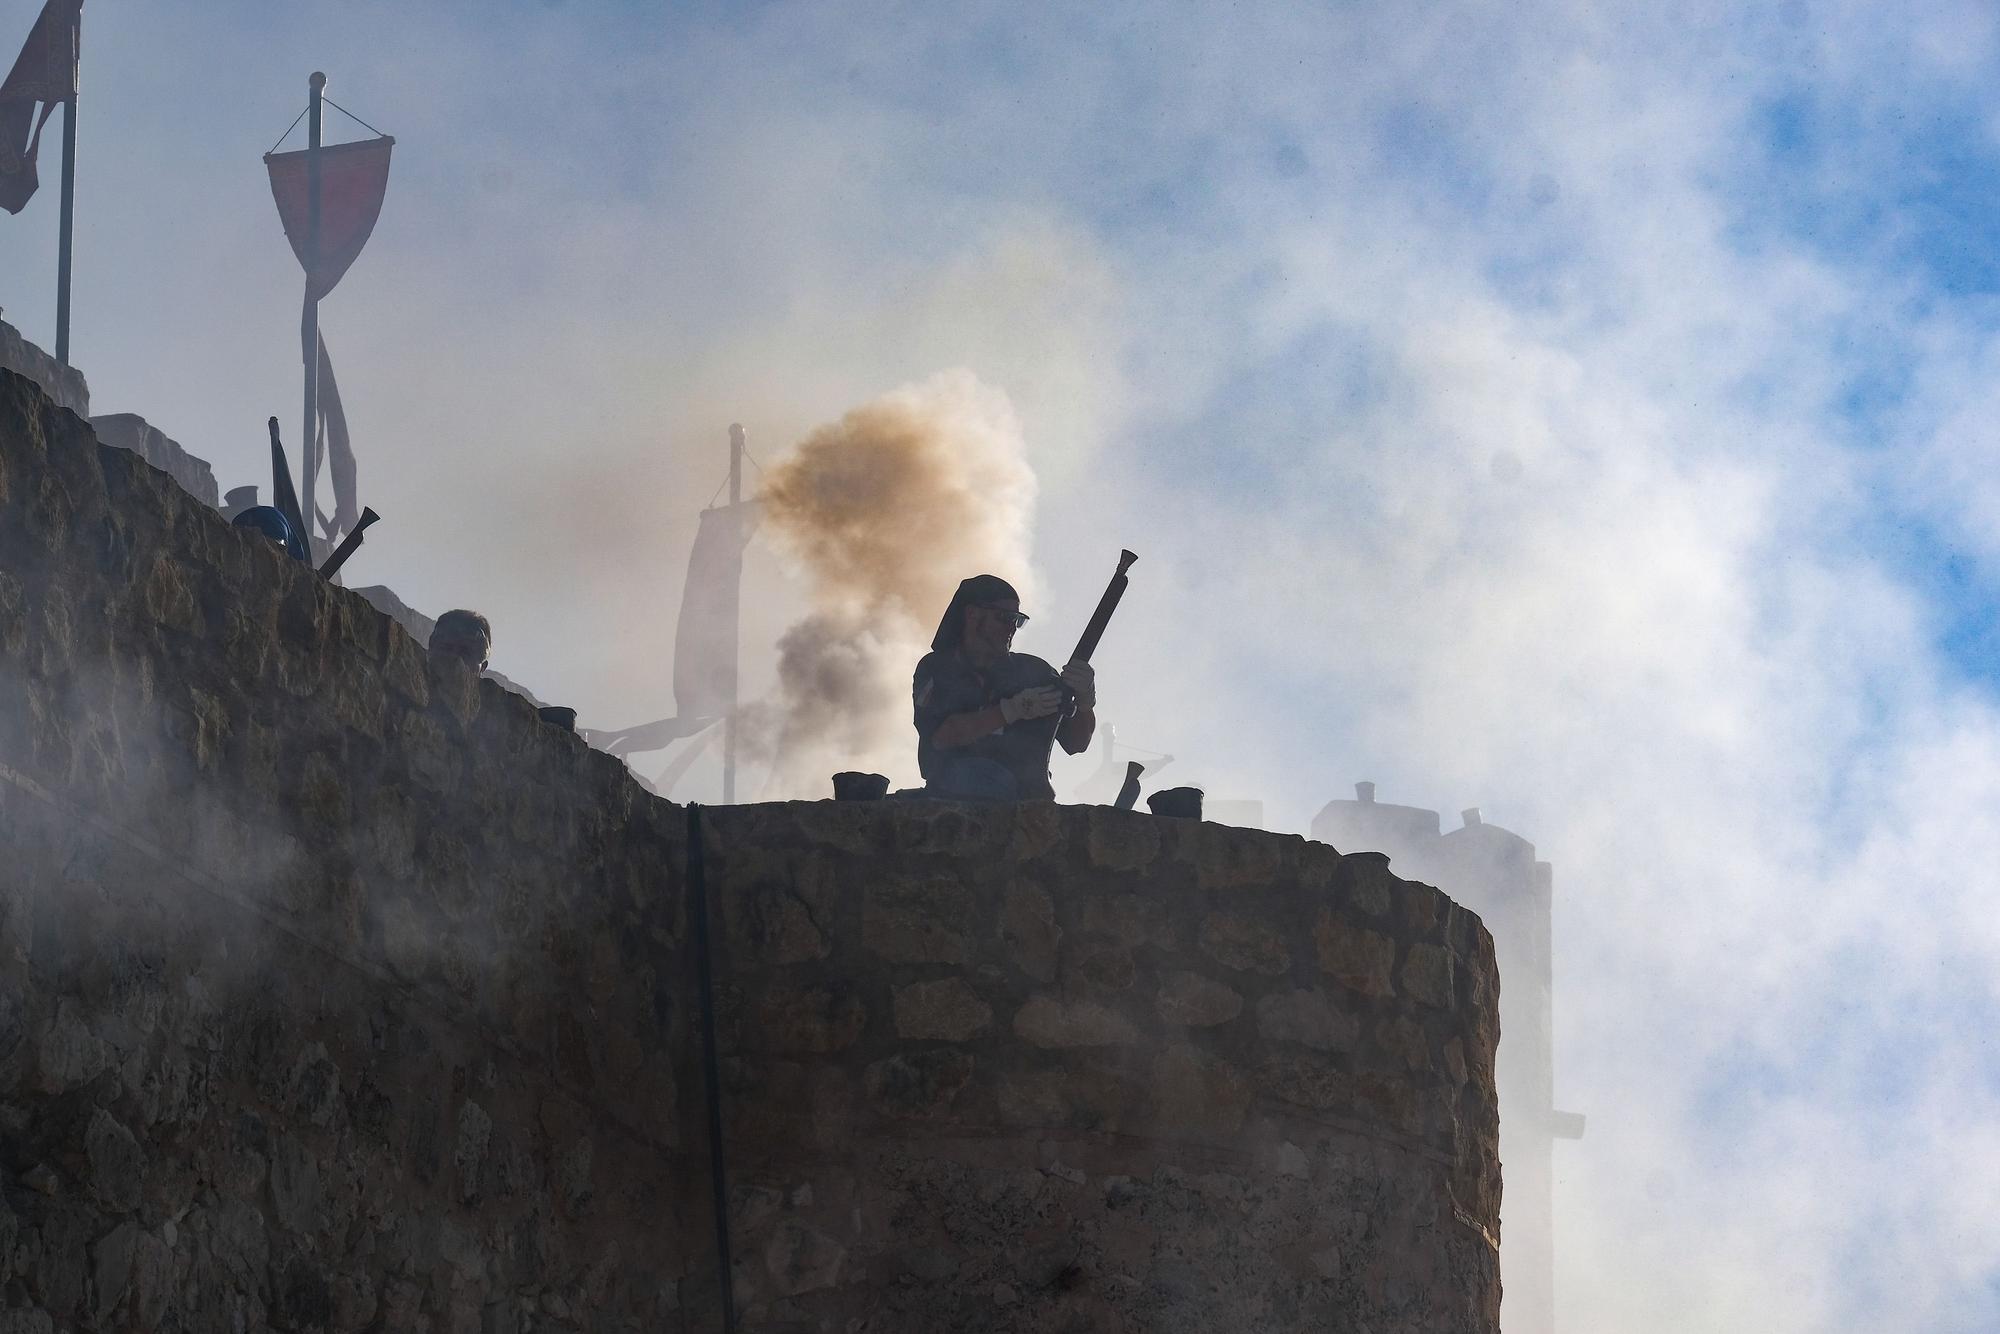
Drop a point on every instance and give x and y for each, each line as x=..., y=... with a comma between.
x=885, y=510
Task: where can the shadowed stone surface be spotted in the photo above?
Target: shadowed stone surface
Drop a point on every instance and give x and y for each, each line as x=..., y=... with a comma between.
x=1137, y=1075
x=338, y=992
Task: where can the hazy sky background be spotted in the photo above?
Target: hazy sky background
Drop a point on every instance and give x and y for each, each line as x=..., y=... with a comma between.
x=1578, y=410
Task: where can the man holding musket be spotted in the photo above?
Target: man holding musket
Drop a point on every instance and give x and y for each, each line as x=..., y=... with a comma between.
x=987, y=716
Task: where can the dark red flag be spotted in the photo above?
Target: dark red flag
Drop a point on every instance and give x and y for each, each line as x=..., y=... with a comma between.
x=352, y=180
x=45, y=73
x=705, y=641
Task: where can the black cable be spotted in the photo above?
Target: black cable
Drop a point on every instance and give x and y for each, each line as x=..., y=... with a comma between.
x=350, y=115
x=697, y=883
x=288, y=130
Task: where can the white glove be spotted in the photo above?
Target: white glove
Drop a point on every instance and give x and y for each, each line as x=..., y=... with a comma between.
x=1034, y=702
x=1081, y=678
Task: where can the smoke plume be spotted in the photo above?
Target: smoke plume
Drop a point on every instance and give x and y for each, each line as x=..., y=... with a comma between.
x=885, y=510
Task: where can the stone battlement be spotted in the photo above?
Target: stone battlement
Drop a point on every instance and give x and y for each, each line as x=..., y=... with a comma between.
x=339, y=992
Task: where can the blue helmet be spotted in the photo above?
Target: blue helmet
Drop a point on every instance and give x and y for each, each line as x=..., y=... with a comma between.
x=272, y=523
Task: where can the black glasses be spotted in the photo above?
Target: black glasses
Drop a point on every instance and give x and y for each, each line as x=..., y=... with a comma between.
x=1017, y=619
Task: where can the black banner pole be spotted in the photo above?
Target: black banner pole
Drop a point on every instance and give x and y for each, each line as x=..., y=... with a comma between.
x=68, y=205
x=309, y=319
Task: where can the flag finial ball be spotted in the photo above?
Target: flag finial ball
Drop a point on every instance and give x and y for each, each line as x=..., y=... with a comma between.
x=318, y=80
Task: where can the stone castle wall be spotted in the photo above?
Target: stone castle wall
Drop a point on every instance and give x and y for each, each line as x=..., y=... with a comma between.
x=128, y=430
x=1073, y=1068
x=339, y=992
x=336, y=990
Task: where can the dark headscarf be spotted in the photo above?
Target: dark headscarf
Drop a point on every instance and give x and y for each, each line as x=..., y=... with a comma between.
x=979, y=590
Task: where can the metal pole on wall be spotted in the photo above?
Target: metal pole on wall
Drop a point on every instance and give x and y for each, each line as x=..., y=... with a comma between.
x=309, y=318
x=68, y=227
x=729, y=719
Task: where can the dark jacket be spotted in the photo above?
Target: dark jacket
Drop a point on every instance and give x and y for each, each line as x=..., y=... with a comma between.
x=946, y=684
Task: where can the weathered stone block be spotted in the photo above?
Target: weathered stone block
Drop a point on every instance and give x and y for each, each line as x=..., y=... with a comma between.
x=918, y=1083
x=777, y=927
x=1404, y=1041
x=949, y=1010
x=948, y=829
x=1454, y=1061
x=1107, y=970
x=1028, y=929
x=1200, y=1094
x=1050, y=1021
x=1309, y=1018
x=1195, y=1001
x=1129, y=919
x=321, y=798
x=1120, y=840
x=1039, y=829
x=1421, y=909
x=431, y=754
x=1034, y=1098
x=1227, y=858
x=151, y=1280
x=403, y=669
x=69, y=1053
x=168, y=597
x=1365, y=880
x=1352, y=955
x=1244, y=943
x=359, y=700
x=917, y=920
x=117, y=1164
x=58, y=1271
x=469, y=1145
x=1427, y=973
x=809, y=1019
x=13, y=616
x=111, y=1269
x=801, y=1259
x=1306, y=1081
x=296, y=1197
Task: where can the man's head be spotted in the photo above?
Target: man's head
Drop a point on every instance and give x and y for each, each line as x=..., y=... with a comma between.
x=990, y=627
x=464, y=635
x=982, y=618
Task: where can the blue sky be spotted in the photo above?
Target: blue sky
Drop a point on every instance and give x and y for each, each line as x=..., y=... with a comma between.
x=1579, y=410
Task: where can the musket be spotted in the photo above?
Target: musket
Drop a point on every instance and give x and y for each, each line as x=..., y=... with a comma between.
x=1105, y=606
x=348, y=543
x=1095, y=630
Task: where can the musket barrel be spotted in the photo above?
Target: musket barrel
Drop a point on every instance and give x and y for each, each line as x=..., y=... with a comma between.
x=348, y=546
x=1107, y=604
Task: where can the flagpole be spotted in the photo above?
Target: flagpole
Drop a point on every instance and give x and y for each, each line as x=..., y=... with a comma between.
x=729, y=718
x=68, y=225
x=309, y=319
